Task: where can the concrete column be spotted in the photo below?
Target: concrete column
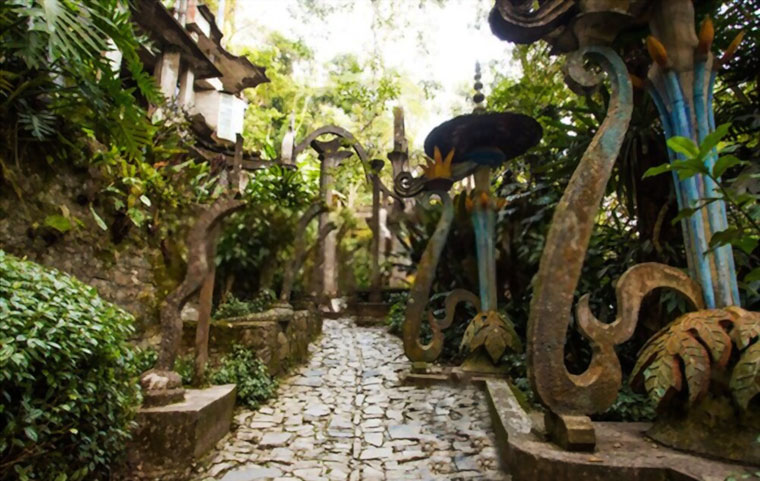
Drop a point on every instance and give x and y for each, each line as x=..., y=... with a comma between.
x=330, y=155
x=186, y=96
x=167, y=73
x=399, y=158
x=376, y=279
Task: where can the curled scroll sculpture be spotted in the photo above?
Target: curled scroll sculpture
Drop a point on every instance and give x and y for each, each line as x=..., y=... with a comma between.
x=199, y=261
x=631, y=288
x=562, y=260
x=517, y=20
x=420, y=292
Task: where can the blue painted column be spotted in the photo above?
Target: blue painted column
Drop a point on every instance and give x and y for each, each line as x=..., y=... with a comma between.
x=484, y=223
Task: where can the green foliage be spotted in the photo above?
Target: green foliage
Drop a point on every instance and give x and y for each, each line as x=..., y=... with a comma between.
x=396, y=314
x=54, y=67
x=743, y=203
x=255, y=244
x=145, y=359
x=254, y=384
x=67, y=382
x=629, y=406
x=234, y=307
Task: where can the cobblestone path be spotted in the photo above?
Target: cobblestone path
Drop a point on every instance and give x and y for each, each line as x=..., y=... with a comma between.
x=345, y=416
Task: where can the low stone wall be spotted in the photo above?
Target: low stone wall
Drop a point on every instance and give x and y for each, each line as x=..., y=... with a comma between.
x=279, y=337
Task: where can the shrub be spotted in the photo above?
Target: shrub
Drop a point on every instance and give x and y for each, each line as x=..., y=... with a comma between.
x=67, y=382
x=146, y=358
x=234, y=307
x=395, y=319
x=241, y=367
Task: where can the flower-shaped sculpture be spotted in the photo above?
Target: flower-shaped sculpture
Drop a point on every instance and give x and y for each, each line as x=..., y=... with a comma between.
x=474, y=144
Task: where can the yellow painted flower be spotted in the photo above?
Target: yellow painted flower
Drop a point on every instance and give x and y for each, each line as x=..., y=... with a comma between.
x=438, y=167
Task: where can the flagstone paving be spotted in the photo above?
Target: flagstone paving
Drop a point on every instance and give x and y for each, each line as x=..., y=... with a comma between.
x=345, y=416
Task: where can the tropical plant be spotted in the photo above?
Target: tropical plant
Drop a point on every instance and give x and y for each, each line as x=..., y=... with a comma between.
x=742, y=201
x=683, y=355
x=252, y=249
x=254, y=383
x=67, y=382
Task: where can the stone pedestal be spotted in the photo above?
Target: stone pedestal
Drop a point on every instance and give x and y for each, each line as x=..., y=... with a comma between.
x=622, y=451
x=171, y=437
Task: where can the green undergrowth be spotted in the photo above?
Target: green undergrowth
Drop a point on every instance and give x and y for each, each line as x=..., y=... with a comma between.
x=255, y=385
x=233, y=307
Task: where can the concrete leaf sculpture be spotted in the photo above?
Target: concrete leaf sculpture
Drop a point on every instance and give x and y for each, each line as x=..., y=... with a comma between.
x=691, y=346
x=492, y=332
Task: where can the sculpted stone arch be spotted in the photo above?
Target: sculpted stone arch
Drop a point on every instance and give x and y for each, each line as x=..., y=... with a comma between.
x=332, y=153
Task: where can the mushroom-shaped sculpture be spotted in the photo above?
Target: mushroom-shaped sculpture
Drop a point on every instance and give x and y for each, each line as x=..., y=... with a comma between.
x=470, y=144
x=473, y=140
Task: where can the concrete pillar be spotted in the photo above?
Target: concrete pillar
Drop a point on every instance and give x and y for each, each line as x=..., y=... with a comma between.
x=376, y=279
x=330, y=155
x=186, y=97
x=399, y=158
x=167, y=73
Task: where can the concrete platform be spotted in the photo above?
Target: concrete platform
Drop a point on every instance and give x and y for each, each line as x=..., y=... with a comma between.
x=172, y=437
x=623, y=452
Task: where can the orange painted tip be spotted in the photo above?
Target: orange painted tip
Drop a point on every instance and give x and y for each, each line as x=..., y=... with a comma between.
x=706, y=36
x=484, y=199
x=636, y=81
x=469, y=204
x=658, y=52
x=732, y=48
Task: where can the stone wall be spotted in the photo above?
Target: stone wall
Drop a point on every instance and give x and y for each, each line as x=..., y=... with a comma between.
x=122, y=273
x=279, y=337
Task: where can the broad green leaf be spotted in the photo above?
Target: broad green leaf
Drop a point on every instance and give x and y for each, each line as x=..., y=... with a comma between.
x=31, y=433
x=689, y=168
x=683, y=145
x=746, y=243
x=754, y=275
x=712, y=140
x=58, y=222
x=724, y=163
x=652, y=171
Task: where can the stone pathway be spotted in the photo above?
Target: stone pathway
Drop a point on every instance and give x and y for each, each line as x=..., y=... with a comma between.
x=345, y=416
